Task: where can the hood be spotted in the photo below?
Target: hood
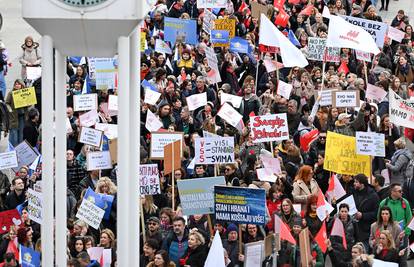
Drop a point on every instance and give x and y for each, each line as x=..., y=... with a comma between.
x=35, y=45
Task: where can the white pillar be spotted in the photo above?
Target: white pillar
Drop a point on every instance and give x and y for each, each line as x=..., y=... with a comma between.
x=60, y=158
x=124, y=152
x=134, y=134
x=47, y=230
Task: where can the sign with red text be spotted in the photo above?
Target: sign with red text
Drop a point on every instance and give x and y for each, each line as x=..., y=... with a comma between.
x=149, y=181
x=214, y=150
x=271, y=127
x=401, y=111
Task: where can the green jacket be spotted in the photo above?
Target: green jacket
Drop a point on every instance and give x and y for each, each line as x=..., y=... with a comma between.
x=316, y=253
x=398, y=212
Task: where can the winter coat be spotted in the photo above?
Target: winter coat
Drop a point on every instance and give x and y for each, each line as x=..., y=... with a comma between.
x=152, y=264
x=401, y=211
x=175, y=248
x=366, y=201
x=301, y=191
x=13, y=112
x=30, y=55
x=399, y=162
x=390, y=255
x=194, y=257
x=376, y=230
x=249, y=105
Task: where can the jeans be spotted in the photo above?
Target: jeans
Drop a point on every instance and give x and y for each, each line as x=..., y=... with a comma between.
x=2, y=84
x=16, y=134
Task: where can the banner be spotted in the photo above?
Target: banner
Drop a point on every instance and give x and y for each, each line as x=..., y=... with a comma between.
x=85, y=102
x=208, y=21
x=149, y=180
x=257, y=9
x=401, y=111
x=160, y=140
x=219, y=37
x=8, y=160
x=105, y=73
x=378, y=30
x=90, y=214
x=254, y=253
x=271, y=127
x=181, y=30
x=375, y=93
x=196, y=195
x=214, y=150
x=316, y=48
x=240, y=205
x=225, y=24
x=34, y=205
x=345, y=99
x=24, y=97
x=90, y=136
x=211, y=4
x=99, y=160
x=341, y=156
x=370, y=143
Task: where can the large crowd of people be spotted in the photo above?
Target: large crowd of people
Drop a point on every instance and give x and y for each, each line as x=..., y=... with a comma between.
x=379, y=230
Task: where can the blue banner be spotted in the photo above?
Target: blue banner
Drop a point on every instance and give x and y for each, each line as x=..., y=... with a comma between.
x=240, y=205
x=219, y=36
x=30, y=257
x=182, y=29
x=239, y=45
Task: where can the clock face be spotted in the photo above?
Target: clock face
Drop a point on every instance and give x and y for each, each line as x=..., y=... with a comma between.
x=82, y=3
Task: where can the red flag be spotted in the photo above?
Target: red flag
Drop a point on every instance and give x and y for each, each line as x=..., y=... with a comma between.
x=12, y=247
x=338, y=230
x=283, y=230
x=335, y=188
x=307, y=139
x=279, y=4
x=307, y=10
x=331, y=186
x=320, y=238
x=243, y=7
x=282, y=18
x=343, y=68
x=9, y=218
x=294, y=2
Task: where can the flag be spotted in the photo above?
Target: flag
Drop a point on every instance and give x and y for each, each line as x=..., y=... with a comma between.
x=191, y=166
x=279, y=4
x=320, y=238
x=12, y=248
x=282, y=18
x=106, y=258
x=307, y=139
x=244, y=7
x=29, y=257
x=307, y=11
x=271, y=36
x=335, y=189
x=347, y=35
x=34, y=166
x=215, y=257
x=10, y=147
x=240, y=126
x=86, y=89
x=326, y=13
x=343, y=68
x=338, y=230
x=292, y=38
x=147, y=85
x=100, y=200
x=152, y=123
x=284, y=230
x=323, y=207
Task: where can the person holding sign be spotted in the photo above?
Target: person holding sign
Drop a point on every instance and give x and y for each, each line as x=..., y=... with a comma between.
x=304, y=186
x=16, y=115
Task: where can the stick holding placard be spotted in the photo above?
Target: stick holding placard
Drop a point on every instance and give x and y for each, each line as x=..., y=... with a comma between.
x=240, y=240
x=141, y=208
x=210, y=225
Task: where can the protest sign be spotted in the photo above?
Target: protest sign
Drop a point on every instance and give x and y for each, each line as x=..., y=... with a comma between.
x=197, y=100
x=333, y=54
x=211, y=4
x=90, y=136
x=113, y=102
x=351, y=203
x=304, y=246
x=375, y=93
x=345, y=99
x=380, y=263
x=257, y=9
x=214, y=150
x=266, y=175
x=151, y=97
x=271, y=127
x=214, y=74
x=85, y=102
x=25, y=155
x=152, y=122
x=92, y=68
x=160, y=140
x=401, y=111
x=364, y=56
x=143, y=41
x=225, y=24
x=110, y=130
x=341, y=156
x=254, y=253
x=239, y=45
x=69, y=128
x=316, y=48
x=181, y=30
x=219, y=37
x=271, y=163
x=284, y=89
x=229, y=114
x=33, y=73
x=89, y=118
x=370, y=143
x=240, y=205
x=29, y=257
x=326, y=97
x=90, y=214
x=162, y=47
x=377, y=29
x=234, y=100
x=102, y=201
x=105, y=73
x=34, y=205
x=8, y=160
x=113, y=150
x=98, y=160
x=149, y=181
x=9, y=218
x=172, y=158
x=196, y=195
x=395, y=34
x=24, y=97
x=272, y=65
x=208, y=21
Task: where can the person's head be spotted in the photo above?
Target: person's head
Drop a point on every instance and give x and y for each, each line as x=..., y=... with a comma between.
x=179, y=174
x=70, y=155
x=287, y=206
x=378, y=180
x=385, y=216
x=400, y=143
x=195, y=239
x=311, y=206
x=73, y=263
x=161, y=259
x=23, y=172
x=360, y=181
x=28, y=41
x=343, y=118
x=232, y=232
x=297, y=225
x=18, y=84
x=80, y=228
x=78, y=245
x=150, y=247
x=200, y=82
x=18, y=184
x=305, y=174
x=153, y=224
x=164, y=109
x=396, y=191
x=252, y=229
x=84, y=259
x=88, y=241
x=105, y=186
x=166, y=216
x=179, y=225
x=357, y=250
x=386, y=240
x=343, y=211
x=230, y=169
x=199, y=169
x=24, y=235
x=292, y=107
x=107, y=238
x=33, y=115
x=79, y=71
x=10, y=260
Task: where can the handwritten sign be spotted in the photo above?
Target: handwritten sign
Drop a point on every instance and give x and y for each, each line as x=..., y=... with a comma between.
x=326, y=97
x=85, y=102
x=25, y=154
x=370, y=143
x=9, y=218
x=90, y=136
x=99, y=160
x=110, y=130
x=24, y=97
x=401, y=111
x=34, y=206
x=333, y=54
x=208, y=20
x=316, y=48
x=89, y=118
x=149, y=181
x=160, y=140
x=345, y=99
x=90, y=214
x=214, y=150
x=375, y=93
x=225, y=24
x=8, y=160
x=364, y=56
x=271, y=127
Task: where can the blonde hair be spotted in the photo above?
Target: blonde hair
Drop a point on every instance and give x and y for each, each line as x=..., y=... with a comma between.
x=108, y=182
x=198, y=236
x=400, y=143
x=390, y=239
x=110, y=235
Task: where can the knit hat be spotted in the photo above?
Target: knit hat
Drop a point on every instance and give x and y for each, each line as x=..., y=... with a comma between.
x=232, y=227
x=297, y=221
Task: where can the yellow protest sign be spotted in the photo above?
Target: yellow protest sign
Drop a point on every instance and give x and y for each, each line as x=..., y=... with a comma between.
x=24, y=97
x=143, y=41
x=341, y=157
x=225, y=24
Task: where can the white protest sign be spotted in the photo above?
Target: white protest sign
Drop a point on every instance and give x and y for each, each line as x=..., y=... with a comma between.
x=34, y=205
x=68, y=126
x=360, y=55
x=214, y=150
x=33, y=73
x=232, y=99
x=395, y=34
x=152, y=123
x=377, y=29
x=229, y=114
x=90, y=214
x=197, y=100
x=95, y=253
x=333, y=54
x=208, y=21
x=411, y=224
x=271, y=163
x=272, y=65
x=370, y=143
x=401, y=111
x=85, y=102
x=99, y=160
x=351, y=203
x=297, y=208
x=89, y=118
x=25, y=154
x=151, y=97
x=160, y=140
x=113, y=102
x=254, y=254
x=90, y=136
x=284, y=89
x=375, y=93
x=110, y=130
x=266, y=175
x=271, y=127
x=211, y=4
x=149, y=181
x=213, y=76
x=8, y=160
x=326, y=97
x=316, y=47
x=380, y=263
x=345, y=99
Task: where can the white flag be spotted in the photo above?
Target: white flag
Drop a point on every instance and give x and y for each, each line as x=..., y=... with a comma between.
x=230, y=115
x=271, y=36
x=326, y=13
x=232, y=99
x=153, y=124
x=151, y=97
x=347, y=35
x=215, y=257
x=284, y=89
x=196, y=101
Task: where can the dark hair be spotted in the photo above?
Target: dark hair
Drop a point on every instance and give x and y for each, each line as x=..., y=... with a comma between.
x=380, y=179
x=361, y=178
x=391, y=220
x=72, y=246
x=393, y=185
x=152, y=243
x=73, y=262
x=15, y=179
x=84, y=256
x=343, y=205
x=33, y=112
x=22, y=235
x=164, y=256
x=179, y=218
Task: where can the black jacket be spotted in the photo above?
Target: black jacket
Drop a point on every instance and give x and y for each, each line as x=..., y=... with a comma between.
x=196, y=257
x=13, y=200
x=366, y=202
x=31, y=133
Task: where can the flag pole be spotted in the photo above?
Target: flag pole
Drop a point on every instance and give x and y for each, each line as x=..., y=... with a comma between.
x=144, y=238
x=323, y=69
x=172, y=179
x=257, y=71
x=210, y=224
x=240, y=240
x=366, y=73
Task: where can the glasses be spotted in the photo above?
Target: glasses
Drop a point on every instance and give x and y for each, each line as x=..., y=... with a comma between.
x=227, y=169
x=152, y=223
x=322, y=137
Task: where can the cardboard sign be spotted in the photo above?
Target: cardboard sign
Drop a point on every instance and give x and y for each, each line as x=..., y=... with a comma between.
x=113, y=150
x=196, y=195
x=271, y=127
x=9, y=218
x=181, y=30
x=370, y=143
x=375, y=93
x=208, y=21
x=234, y=100
x=214, y=150
x=225, y=24
x=99, y=160
x=34, y=206
x=149, y=180
x=160, y=140
x=304, y=245
x=230, y=115
x=326, y=97
x=8, y=160
x=197, y=100
x=110, y=130
x=90, y=136
x=377, y=29
x=24, y=97
x=211, y=4
x=341, y=156
x=316, y=48
x=33, y=73
x=25, y=155
x=254, y=253
x=258, y=9
x=89, y=118
x=90, y=214
x=240, y=205
x=401, y=111
x=85, y=102
x=113, y=102
x=345, y=99
x=172, y=157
